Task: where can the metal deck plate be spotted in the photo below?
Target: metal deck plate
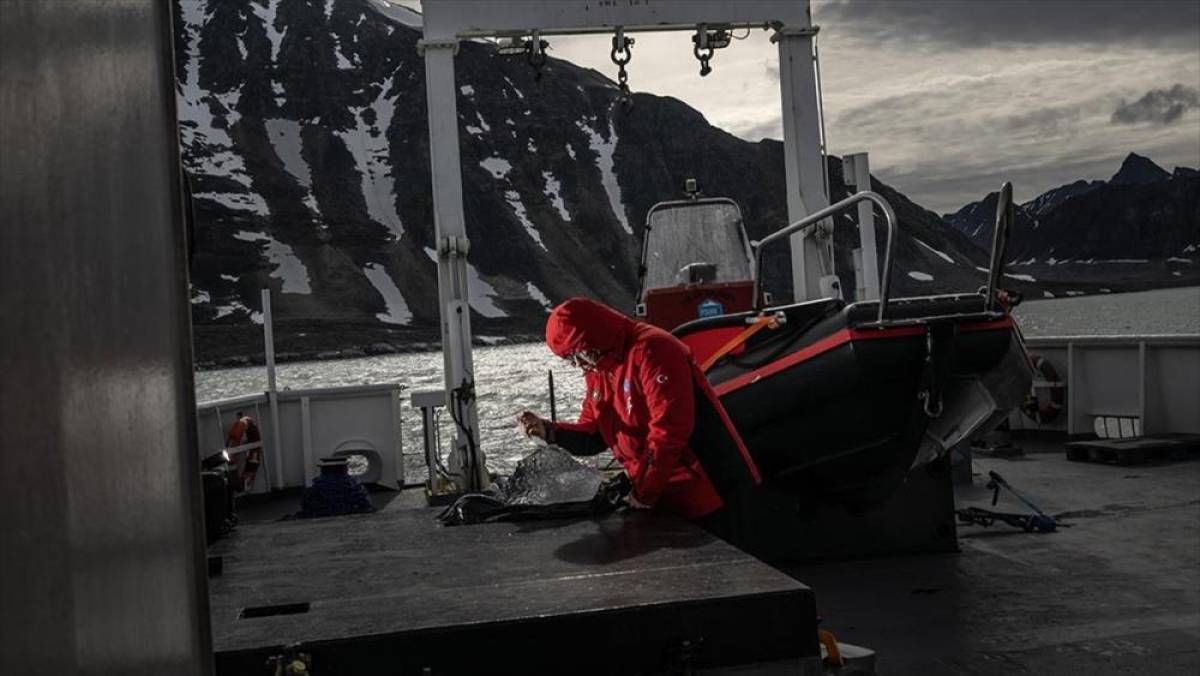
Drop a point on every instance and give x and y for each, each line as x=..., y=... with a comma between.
x=636, y=592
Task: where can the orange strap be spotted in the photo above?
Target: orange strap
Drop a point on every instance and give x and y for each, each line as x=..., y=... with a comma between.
x=758, y=325
x=833, y=655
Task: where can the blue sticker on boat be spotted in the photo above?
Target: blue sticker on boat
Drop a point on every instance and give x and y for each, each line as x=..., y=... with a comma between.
x=711, y=308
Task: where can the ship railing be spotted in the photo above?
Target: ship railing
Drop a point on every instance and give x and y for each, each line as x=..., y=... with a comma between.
x=353, y=420
x=811, y=221
x=1005, y=215
x=1145, y=382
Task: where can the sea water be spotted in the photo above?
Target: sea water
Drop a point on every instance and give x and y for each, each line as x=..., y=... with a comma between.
x=508, y=380
x=513, y=378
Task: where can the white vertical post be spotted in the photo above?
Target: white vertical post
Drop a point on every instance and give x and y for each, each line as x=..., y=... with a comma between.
x=1145, y=429
x=272, y=392
x=398, y=437
x=310, y=465
x=856, y=170
x=812, y=256
x=1072, y=396
x=452, y=247
x=860, y=291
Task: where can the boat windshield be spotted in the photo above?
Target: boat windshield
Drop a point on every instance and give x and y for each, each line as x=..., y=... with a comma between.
x=696, y=243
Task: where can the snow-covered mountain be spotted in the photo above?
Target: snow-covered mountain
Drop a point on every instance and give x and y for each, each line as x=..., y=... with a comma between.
x=305, y=142
x=1056, y=196
x=1141, y=213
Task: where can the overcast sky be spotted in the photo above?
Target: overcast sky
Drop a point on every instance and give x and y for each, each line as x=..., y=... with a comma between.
x=953, y=97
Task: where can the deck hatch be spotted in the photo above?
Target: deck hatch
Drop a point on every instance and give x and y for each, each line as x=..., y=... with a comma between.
x=270, y=611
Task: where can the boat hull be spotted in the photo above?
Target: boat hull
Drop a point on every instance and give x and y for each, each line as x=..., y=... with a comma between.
x=838, y=412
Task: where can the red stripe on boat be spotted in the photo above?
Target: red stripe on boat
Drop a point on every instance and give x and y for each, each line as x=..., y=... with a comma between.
x=838, y=339
x=822, y=346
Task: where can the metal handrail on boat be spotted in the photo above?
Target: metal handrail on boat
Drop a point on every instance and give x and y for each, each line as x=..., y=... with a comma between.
x=813, y=220
x=1005, y=214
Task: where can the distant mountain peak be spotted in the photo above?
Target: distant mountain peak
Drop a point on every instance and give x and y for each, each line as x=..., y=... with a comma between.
x=1052, y=198
x=977, y=219
x=1139, y=170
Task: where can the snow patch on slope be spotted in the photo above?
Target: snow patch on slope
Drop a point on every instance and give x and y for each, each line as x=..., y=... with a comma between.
x=210, y=147
x=554, y=192
x=267, y=16
x=234, y=306
x=536, y=294
x=481, y=295
x=368, y=143
x=604, y=161
x=285, y=138
x=398, y=13
x=252, y=202
x=939, y=253
x=288, y=268
x=514, y=201
x=397, y=310
x=514, y=89
x=496, y=166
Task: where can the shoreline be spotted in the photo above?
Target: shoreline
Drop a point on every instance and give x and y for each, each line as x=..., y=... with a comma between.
x=234, y=346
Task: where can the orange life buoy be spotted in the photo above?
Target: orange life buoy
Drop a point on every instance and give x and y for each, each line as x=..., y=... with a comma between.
x=245, y=431
x=237, y=432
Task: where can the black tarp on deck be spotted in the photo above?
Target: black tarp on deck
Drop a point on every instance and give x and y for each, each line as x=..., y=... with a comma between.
x=395, y=593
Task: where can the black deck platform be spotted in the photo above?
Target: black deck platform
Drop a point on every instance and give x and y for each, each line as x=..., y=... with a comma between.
x=632, y=593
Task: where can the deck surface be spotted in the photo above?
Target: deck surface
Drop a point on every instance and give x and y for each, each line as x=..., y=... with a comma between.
x=1117, y=593
x=395, y=588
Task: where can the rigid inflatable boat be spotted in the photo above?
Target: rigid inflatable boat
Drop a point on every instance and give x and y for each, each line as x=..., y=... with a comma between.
x=836, y=401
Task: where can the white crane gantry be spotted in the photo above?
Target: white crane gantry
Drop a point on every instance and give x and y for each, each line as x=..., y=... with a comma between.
x=446, y=22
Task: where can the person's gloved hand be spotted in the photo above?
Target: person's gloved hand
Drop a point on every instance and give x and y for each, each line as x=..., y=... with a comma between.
x=635, y=503
x=533, y=425
x=614, y=489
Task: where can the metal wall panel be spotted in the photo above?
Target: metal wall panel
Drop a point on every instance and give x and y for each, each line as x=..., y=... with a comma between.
x=1172, y=389
x=102, y=545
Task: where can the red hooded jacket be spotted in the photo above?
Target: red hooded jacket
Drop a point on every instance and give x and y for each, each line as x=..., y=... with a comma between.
x=643, y=401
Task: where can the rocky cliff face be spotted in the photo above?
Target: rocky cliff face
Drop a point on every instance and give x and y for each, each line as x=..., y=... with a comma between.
x=305, y=141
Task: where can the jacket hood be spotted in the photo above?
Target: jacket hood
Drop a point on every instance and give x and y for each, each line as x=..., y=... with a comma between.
x=582, y=324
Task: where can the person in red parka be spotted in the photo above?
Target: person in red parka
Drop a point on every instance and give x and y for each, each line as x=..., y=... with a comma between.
x=648, y=401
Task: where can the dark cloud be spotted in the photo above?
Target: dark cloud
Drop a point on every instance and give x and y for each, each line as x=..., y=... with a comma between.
x=1160, y=106
x=1042, y=121
x=882, y=111
x=989, y=23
